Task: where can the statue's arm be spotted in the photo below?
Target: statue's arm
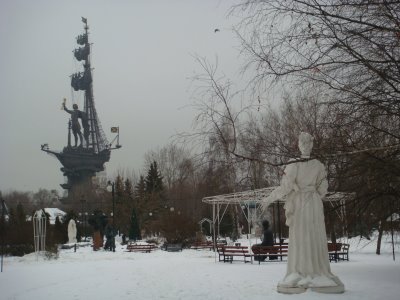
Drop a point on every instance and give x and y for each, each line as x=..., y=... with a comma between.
x=268, y=201
x=288, y=184
x=67, y=110
x=322, y=182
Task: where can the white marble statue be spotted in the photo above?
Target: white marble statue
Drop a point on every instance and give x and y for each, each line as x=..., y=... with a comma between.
x=71, y=232
x=302, y=188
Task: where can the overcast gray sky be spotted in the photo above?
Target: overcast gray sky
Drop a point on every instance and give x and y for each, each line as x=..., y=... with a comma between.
x=142, y=63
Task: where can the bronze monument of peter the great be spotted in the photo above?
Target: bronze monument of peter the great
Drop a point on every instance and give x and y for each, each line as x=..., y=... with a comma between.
x=82, y=161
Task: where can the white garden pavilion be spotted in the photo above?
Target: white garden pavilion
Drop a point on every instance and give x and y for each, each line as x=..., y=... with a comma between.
x=250, y=205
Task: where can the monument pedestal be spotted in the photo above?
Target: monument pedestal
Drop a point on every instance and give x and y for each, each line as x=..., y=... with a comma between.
x=291, y=290
x=339, y=289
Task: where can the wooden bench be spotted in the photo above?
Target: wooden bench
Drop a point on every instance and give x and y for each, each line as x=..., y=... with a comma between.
x=338, y=251
x=205, y=245
x=274, y=253
x=173, y=247
x=202, y=245
x=146, y=248
x=228, y=253
x=222, y=242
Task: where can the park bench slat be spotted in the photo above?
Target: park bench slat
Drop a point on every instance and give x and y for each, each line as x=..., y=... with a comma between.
x=140, y=248
x=173, y=247
x=338, y=251
x=227, y=253
x=278, y=251
x=202, y=245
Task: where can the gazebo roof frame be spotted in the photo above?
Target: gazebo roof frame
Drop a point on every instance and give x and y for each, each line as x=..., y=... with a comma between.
x=257, y=196
x=253, y=199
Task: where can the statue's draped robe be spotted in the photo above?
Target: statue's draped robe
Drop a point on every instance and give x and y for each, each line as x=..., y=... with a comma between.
x=303, y=186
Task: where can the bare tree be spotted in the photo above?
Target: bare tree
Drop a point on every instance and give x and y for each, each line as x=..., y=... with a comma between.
x=351, y=47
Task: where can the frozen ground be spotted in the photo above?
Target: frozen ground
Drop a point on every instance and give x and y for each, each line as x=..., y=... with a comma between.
x=191, y=274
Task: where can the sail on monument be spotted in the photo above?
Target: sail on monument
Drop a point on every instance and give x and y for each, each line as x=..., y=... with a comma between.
x=86, y=155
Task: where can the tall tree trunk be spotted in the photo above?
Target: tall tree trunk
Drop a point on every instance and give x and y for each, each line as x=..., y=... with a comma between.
x=391, y=229
x=380, y=233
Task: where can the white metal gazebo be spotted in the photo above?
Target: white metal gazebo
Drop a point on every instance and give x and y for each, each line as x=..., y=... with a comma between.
x=248, y=201
x=250, y=204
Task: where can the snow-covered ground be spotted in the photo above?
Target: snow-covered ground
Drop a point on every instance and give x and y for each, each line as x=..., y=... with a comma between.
x=190, y=274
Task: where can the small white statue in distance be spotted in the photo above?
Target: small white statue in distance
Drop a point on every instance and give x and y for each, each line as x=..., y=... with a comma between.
x=303, y=186
x=71, y=232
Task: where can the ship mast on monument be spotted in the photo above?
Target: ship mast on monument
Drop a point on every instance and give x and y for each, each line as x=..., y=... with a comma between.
x=86, y=155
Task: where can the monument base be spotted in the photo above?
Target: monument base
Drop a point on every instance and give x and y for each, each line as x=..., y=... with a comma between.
x=291, y=290
x=338, y=289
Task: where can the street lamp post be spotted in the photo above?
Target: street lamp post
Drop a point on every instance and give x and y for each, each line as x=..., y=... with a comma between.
x=85, y=224
x=112, y=184
x=3, y=211
x=111, y=188
x=82, y=204
x=80, y=225
x=279, y=223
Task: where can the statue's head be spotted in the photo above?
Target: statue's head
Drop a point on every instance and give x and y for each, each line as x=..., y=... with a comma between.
x=305, y=143
x=75, y=106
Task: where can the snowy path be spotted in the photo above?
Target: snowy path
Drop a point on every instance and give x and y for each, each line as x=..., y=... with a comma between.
x=185, y=275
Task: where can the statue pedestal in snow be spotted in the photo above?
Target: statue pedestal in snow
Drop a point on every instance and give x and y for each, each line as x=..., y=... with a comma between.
x=331, y=289
x=337, y=289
